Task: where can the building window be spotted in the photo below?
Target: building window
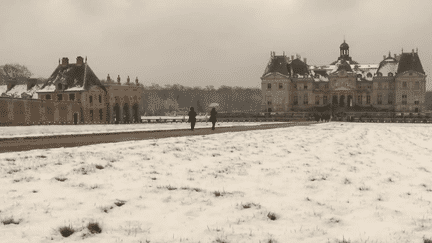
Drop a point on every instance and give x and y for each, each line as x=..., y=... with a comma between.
x=416, y=102
x=295, y=100
x=280, y=86
x=71, y=96
x=91, y=99
x=100, y=114
x=379, y=99
x=48, y=97
x=404, y=84
x=369, y=86
x=59, y=97
x=369, y=75
x=305, y=99
x=60, y=86
x=100, y=98
x=390, y=99
x=417, y=85
x=390, y=74
x=269, y=102
x=404, y=99
x=91, y=115
x=269, y=86
x=368, y=99
x=359, y=99
x=305, y=86
x=295, y=86
x=317, y=98
x=325, y=99
x=379, y=74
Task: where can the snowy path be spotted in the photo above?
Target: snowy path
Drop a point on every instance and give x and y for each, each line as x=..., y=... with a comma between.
x=324, y=182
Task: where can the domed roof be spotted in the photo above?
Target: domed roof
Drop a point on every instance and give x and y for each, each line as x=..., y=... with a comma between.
x=344, y=45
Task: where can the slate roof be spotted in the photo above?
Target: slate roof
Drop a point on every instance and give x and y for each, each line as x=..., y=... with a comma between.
x=277, y=64
x=344, y=65
x=298, y=67
x=388, y=65
x=410, y=61
x=77, y=78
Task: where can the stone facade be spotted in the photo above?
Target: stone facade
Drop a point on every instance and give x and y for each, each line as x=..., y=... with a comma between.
x=72, y=95
x=397, y=83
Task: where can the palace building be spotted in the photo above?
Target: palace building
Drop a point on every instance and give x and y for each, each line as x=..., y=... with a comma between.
x=73, y=94
x=397, y=83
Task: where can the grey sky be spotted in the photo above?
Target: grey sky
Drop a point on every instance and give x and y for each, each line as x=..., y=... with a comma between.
x=206, y=42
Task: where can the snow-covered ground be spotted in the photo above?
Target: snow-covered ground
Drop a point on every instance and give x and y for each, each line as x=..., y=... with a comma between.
x=46, y=130
x=323, y=183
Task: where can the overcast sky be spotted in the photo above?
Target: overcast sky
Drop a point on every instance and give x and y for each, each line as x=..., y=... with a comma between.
x=205, y=42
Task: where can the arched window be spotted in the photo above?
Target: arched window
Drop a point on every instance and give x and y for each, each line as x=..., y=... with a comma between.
x=369, y=75
x=379, y=74
x=48, y=97
x=390, y=74
x=60, y=86
x=359, y=76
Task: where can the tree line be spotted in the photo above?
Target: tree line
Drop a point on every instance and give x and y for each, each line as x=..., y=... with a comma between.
x=159, y=100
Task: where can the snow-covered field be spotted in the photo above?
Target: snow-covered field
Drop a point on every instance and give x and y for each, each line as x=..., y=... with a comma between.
x=44, y=130
x=320, y=183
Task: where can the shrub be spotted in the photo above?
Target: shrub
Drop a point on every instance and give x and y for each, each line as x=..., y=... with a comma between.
x=10, y=220
x=99, y=167
x=217, y=193
x=94, y=228
x=60, y=178
x=120, y=203
x=66, y=231
x=271, y=216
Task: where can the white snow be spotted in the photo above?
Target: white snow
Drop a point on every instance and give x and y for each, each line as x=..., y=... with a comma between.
x=324, y=182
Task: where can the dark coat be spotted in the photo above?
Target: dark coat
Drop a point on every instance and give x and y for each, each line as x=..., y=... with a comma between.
x=213, y=114
x=192, y=116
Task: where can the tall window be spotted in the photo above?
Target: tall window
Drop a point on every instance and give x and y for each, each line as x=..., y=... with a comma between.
x=368, y=99
x=269, y=86
x=359, y=99
x=269, y=102
x=305, y=86
x=317, y=98
x=305, y=99
x=91, y=99
x=71, y=96
x=417, y=85
x=379, y=99
x=325, y=99
x=59, y=97
x=369, y=86
x=100, y=98
x=295, y=100
x=91, y=115
x=404, y=84
x=100, y=114
x=48, y=97
x=280, y=86
x=416, y=102
x=404, y=99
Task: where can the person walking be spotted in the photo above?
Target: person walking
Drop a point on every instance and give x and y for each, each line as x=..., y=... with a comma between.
x=192, y=118
x=213, y=114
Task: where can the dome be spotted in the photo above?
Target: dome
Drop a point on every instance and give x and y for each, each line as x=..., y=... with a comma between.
x=344, y=45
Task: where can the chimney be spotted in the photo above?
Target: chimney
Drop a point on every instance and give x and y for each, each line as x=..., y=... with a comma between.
x=128, y=80
x=65, y=61
x=136, y=80
x=292, y=57
x=305, y=60
x=118, y=79
x=79, y=61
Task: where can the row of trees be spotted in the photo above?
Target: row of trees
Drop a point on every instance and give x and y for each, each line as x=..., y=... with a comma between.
x=158, y=100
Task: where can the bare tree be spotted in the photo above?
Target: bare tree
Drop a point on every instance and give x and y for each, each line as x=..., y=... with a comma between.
x=16, y=71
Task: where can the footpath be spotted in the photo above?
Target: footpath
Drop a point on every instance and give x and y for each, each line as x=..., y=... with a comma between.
x=16, y=144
